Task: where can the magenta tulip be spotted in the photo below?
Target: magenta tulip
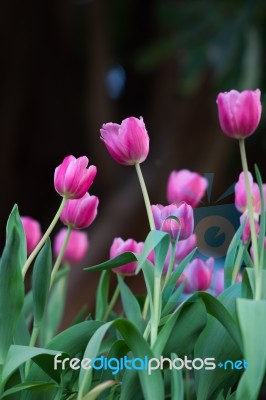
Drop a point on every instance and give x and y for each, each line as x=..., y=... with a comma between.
x=241, y=194
x=33, y=232
x=127, y=143
x=198, y=275
x=239, y=112
x=184, y=247
x=72, y=178
x=77, y=246
x=80, y=213
x=120, y=246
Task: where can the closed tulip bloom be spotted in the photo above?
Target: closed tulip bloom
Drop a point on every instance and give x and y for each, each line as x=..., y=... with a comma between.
x=239, y=112
x=184, y=247
x=33, y=232
x=127, y=143
x=187, y=186
x=219, y=281
x=77, y=246
x=181, y=224
x=198, y=275
x=247, y=232
x=80, y=213
x=72, y=178
x=120, y=246
x=241, y=194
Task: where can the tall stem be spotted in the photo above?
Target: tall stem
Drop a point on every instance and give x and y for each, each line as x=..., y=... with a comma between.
x=145, y=196
x=112, y=303
x=60, y=256
x=43, y=239
x=156, y=309
x=251, y=218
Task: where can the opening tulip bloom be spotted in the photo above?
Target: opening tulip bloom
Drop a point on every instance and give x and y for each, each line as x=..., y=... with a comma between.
x=33, y=232
x=119, y=246
x=72, y=178
x=187, y=186
x=181, y=223
x=127, y=143
x=80, y=213
x=239, y=112
x=77, y=246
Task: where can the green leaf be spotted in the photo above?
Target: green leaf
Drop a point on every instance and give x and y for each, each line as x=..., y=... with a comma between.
x=232, y=255
x=153, y=239
x=216, y=342
x=54, y=310
x=152, y=385
x=41, y=277
x=252, y=314
x=172, y=302
x=121, y=259
x=11, y=290
x=102, y=296
x=40, y=386
x=97, y=390
x=262, y=233
x=177, y=384
x=130, y=304
x=15, y=221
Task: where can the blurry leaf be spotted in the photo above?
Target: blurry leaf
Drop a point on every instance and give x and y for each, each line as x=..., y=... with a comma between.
x=97, y=390
x=40, y=386
x=177, y=384
x=41, y=277
x=15, y=221
x=262, y=233
x=155, y=238
x=102, y=296
x=121, y=259
x=232, y=255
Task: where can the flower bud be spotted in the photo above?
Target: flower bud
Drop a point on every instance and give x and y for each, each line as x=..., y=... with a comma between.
x=247, y=231
x=175, y=219
x=77, y=246
x=187, y=186
x=80, y=213
x=120, y=246
x=198, y=275
x=33, y=232
x=127, y=143
x=72, y=178
x=239, y=112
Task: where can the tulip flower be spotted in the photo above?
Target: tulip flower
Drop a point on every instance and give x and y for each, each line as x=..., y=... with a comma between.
x=77, y=246
x=120, y=246
x=247, y=230
x=184, y=247
x=241, y=194
x=72, y=178
x=33, y=232
x=187, y=186
x=80, y=213
x=175, y=219
x=219, y=281
x=198, y=275
x=127, y=143
x=239, y=112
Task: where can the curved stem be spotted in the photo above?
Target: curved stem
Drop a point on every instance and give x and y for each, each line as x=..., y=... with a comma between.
x=145, y=197
x=60, y=256
x=112, y=303
x=43, y=239
x=251, y=218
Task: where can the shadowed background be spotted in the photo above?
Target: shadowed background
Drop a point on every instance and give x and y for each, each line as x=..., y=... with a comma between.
x=70, y=66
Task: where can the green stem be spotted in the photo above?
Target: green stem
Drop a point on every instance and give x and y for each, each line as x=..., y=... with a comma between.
x=112, y=303
x=147, y=331
x=33, y=339
x=238, y=262
x=171, y=264
x=60, y=256
x=156, y=309
x=251, y=219
x=145, y=308
x=43, y=239
x=145, y=196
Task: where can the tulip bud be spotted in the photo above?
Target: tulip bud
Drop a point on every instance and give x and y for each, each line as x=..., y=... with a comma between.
x=33, y=232
x=247, y=232
x=127, y=143
x=187, y=186
x=239, y=112
x=72, y=178
x=80, y=213
x=119, y=246
x=198, y=275
x=175, y=219
x=77, y=246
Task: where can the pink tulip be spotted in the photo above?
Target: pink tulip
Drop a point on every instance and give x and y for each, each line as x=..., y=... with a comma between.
x=33, y=232
x=219, y=281
x=77, y=246
x=120, y=246
x=80, y=213
x=198, y=275
x=184, y=247
x=127, y=143
x=241, y=194
x=182, y=224
x=246, y=232
x=239, y=112
x=187, y=186
x=72, y=178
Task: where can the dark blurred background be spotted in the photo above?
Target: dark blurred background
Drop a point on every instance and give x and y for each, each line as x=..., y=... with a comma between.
x=69, y=66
